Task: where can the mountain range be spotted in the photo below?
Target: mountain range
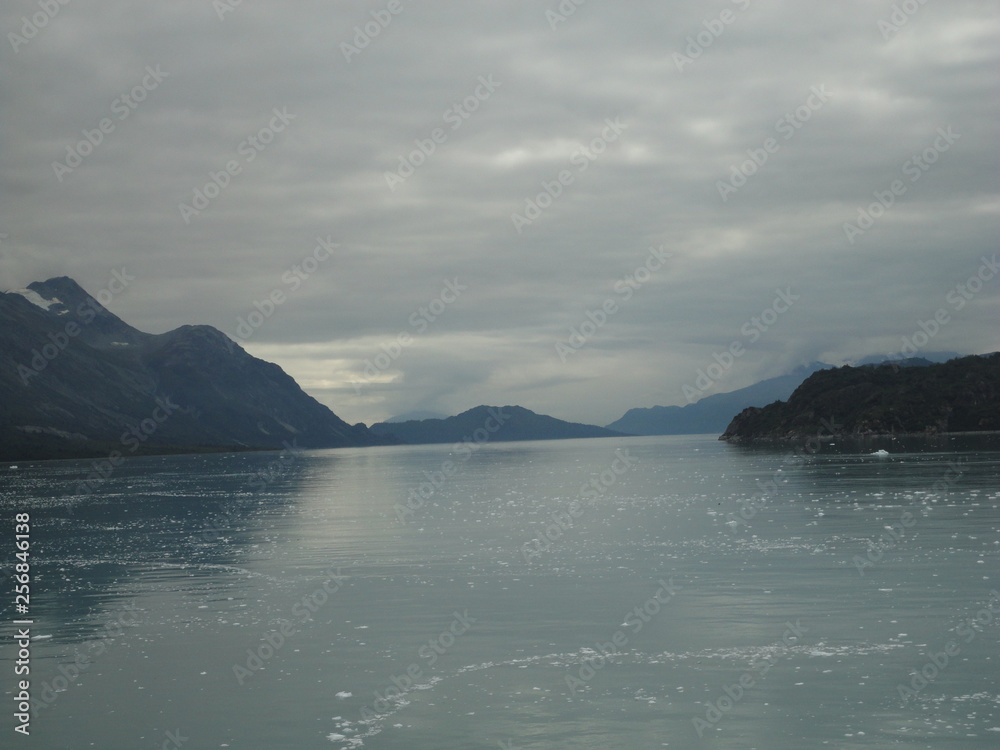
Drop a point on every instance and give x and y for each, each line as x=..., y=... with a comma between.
x=711, y=414
x=960, y=395
x=77, y=381
x=495, y=424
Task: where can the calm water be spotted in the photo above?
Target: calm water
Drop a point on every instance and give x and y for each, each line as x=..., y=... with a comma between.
x=294, y=601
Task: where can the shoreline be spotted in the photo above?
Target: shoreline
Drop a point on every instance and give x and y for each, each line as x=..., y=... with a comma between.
x=852, y=436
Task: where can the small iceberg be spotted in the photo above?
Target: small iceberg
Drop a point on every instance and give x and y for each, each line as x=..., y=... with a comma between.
x=881, y=453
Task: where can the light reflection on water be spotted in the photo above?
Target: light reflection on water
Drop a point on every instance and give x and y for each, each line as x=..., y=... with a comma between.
x=179, y=569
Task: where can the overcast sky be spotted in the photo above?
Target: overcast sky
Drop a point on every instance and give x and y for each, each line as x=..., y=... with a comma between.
x=646, y=119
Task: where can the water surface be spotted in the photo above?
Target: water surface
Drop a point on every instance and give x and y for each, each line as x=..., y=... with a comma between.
x=296, y=601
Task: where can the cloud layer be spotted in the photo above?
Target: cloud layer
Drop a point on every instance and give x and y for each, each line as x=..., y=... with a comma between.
x=486, y=181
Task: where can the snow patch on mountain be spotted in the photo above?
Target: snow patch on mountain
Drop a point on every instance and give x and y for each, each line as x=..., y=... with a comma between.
x=36, y=299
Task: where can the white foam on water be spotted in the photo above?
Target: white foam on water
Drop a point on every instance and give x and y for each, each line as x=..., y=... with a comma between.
x=745, y=656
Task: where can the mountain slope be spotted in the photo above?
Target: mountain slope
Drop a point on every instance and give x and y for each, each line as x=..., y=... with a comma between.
x=506, y=423
x=76, y=380
x=961, y=395
x=712, y=413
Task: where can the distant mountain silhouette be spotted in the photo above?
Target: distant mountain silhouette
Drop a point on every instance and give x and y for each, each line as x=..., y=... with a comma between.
x=76, y=380
x=961, y=395
x=494, y=423
x=711, y=414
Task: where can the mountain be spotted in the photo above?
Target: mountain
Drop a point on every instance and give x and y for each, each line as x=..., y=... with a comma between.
x=492, y=423
x=76, y=380
x=712, y=413
x=961, y=395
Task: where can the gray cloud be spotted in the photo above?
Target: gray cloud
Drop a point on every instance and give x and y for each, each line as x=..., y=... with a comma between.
x=657, y=183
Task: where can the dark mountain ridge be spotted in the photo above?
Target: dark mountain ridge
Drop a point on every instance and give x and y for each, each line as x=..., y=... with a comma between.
x=711, y=414
x=961, y=395
x=506, y=423
x=76, y=380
